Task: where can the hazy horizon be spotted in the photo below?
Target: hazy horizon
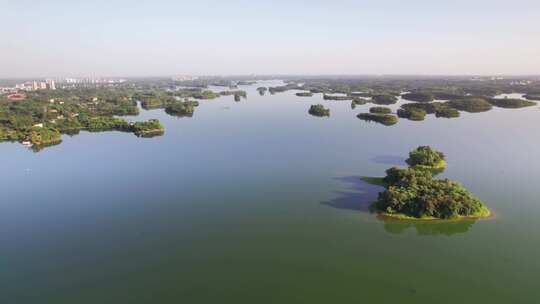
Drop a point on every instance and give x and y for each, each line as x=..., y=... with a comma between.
x=269, y=76
x=312, y=38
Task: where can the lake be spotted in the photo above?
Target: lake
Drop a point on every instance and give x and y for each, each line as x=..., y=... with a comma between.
x=258, y=202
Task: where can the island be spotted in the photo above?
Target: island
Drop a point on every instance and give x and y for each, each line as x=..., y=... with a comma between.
x=418, y=96
x=149, y=128
x=384, y=99
x=412, y=114
x=511, y=103
x=238, y=94
x=337, y=97
x=384, y=119
x=304, y=94
x=454, y=95
x=418, y=111
x=471, y=105
x=181, y=109
x=424, y=157
x=380, y=110
x=414, y=194
x=445, y=95
x=358, y=102
x=319, y=110
x=447, y=112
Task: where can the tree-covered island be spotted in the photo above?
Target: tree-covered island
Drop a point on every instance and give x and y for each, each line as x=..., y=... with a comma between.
x=319, y=110
x=385, y=119
x=412, y=113
x=149, y=128
x=337, y=97
x=181, y=109
x=511, y=103
x=419, y=97
x=380, y=110
x=413, y=193
x=424, y=157
x=384, y=99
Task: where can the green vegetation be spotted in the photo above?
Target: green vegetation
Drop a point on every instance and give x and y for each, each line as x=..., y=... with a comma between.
x=447, y=109
x=421, y=89
x=149, y=128
x=304, y=94
x=206, y=95
x=384, y=119
x=412, y=114
x=447, y=112
x=319, y=110
x=238, y=94
x=46, y=115
x=380, y=110
x=511, y=103
x=159, y=99
x=424, y=157
x=420, y=97
x=415, y=111
x=337, y=97
x=154, y=99
x=181, y=109
x=384, y=99
x=358, y=102
x=103, y=123
x=471, y=105
x=289, y=86
x=447, y=95
x=429, y=108
x=43, y=136
x=414, y=194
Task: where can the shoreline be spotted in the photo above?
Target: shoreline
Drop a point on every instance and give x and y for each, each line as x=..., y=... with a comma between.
x=402, y=217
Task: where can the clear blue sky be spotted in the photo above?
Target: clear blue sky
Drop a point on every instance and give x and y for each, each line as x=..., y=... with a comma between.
x=140, y=38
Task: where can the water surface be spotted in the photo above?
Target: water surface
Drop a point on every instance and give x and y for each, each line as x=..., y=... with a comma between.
x=258, y=202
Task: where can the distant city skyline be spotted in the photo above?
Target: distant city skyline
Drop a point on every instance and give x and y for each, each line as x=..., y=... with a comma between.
x=120, y=38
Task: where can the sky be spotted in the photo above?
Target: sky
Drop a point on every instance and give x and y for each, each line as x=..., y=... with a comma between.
x=57, y=38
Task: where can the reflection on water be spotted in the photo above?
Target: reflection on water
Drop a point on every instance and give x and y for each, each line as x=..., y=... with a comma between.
x=364, y=191
x=429, y=228
x=359, y=197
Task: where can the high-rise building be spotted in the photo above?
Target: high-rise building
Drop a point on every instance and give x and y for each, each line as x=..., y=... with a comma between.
x=51, y=85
